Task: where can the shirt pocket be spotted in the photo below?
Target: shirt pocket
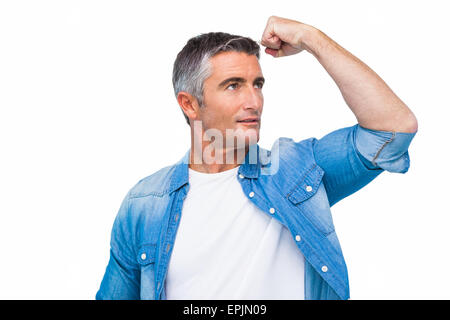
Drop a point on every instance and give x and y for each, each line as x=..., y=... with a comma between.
x=310, y=198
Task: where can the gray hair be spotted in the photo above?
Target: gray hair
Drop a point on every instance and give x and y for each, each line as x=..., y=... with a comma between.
x=192, y=66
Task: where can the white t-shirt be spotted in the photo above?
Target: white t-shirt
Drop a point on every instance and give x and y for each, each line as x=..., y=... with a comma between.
x=227, y=248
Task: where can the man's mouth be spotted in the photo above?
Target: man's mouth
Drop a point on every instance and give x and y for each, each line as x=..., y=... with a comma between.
x=249, y=121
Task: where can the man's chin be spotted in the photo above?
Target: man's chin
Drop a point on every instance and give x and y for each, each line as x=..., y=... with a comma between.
x=253, y=139
x=242, y=138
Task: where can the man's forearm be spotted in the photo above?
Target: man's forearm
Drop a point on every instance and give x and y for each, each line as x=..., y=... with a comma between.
x=374, y=104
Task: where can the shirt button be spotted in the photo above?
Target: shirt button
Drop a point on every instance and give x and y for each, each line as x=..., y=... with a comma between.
x=298, y=238
x=272, y=210
x=308, y=188
x=241, y=176
x=251, y=194
x=324, y=268
x=143, y=256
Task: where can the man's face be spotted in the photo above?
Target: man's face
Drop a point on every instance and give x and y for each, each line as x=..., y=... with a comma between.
x=233, y=94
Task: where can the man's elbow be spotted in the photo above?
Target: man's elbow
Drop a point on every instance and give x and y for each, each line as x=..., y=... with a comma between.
x=407, y=124
x=413, y=124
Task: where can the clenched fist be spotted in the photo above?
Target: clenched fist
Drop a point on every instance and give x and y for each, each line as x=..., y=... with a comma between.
x=284, y=37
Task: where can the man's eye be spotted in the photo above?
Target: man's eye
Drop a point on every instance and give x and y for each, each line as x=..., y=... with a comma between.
x=232, y=86
x=259, y=85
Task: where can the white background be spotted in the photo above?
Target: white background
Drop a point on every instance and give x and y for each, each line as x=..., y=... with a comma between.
x=87, y=109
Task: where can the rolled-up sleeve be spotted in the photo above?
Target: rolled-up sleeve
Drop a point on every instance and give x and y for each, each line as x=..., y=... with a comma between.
x=351, y=157
x=384, y=149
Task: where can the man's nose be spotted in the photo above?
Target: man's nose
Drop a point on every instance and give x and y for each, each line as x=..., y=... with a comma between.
x=253, y=99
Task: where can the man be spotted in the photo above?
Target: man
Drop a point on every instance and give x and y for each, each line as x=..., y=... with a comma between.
x=238, y=221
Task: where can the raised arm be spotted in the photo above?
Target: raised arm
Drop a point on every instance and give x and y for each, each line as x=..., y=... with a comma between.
x=374, y=104
x=350, y=157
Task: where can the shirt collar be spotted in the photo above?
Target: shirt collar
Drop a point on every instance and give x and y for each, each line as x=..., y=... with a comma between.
x=250, y=168
x=180, y=175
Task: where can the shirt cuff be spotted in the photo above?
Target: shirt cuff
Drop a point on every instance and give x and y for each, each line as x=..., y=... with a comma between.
x=384, y=149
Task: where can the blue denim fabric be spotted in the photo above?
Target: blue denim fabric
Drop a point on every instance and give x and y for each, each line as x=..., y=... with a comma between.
x=300, y=180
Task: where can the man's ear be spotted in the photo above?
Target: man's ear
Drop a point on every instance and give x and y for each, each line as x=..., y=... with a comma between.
x=188, y=104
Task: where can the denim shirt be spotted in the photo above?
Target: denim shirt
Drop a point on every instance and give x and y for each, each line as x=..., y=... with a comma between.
x=300, y=180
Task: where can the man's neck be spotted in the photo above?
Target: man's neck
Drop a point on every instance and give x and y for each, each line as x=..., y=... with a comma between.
x=216, y=161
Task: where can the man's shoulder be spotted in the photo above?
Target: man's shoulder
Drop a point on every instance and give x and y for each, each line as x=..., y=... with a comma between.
x=305, y=144
x=288, y=148
x=287, y=157
x=155, y=184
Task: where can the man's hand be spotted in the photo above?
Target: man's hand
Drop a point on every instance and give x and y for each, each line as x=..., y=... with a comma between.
x=284, y=37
